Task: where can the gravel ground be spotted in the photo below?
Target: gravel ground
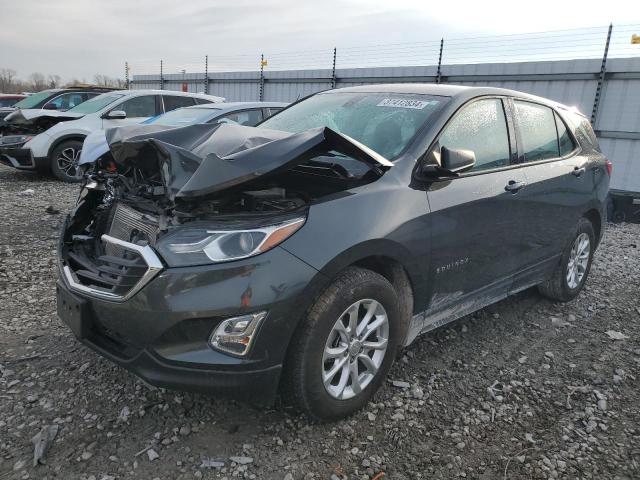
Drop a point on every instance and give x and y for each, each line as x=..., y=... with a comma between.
x=523, y=389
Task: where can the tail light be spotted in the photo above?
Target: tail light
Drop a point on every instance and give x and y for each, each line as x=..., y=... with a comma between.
x=609, y=166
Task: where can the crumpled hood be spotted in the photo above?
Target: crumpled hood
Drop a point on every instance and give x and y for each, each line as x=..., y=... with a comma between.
x=200, y=160
x=24, y=116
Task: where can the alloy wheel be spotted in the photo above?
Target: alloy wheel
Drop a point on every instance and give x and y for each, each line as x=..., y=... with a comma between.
x=355, y=349
x=68, y=161
x=578, y=260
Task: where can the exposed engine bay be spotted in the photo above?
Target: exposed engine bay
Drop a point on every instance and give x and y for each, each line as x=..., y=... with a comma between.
x=26, y=122
x=154, y=181
x=204, y=171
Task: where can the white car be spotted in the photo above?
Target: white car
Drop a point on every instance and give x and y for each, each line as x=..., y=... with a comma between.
x=43, y=140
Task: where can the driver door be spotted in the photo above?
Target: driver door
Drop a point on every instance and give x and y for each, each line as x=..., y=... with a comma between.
x=475, y=217
x=138, y=109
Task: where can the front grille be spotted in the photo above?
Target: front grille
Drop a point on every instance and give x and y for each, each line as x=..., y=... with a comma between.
x=114, y=274
x=111, y=277
x=114, y=265
x=132, y=226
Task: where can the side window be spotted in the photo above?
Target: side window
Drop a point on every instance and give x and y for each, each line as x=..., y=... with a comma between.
x=274, y=110
x=143, y=106
x=482, y=128
x=201, y=101
x=565, y=141
x=171, y=102
x=538, y=131
x=65, y=101
x=248, y=117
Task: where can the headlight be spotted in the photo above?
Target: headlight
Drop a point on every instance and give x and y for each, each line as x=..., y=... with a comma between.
x=12, y=140
x=200, y=246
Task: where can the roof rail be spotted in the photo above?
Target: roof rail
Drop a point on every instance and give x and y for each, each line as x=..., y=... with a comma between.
x=92, y=87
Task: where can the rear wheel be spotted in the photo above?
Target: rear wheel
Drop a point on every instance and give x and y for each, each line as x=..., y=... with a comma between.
x=571, y=273
x=345, y=346
x=64, y=161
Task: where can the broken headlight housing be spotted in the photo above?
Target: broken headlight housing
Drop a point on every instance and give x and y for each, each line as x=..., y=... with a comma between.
x=190, y=246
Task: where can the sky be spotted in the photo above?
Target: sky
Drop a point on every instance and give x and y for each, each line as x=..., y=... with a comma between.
x=79, y=38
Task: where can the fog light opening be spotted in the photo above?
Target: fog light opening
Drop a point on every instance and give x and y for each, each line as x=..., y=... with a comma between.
x=235, y=335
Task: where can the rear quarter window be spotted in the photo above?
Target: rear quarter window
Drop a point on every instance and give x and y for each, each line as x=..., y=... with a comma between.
x=564, y=138
x=582, y=129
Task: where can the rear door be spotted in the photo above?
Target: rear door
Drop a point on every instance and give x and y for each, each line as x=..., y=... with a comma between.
x=270, y=111
x=248, y=118
x=172, y=102
x=558, y=187
x=476, y=217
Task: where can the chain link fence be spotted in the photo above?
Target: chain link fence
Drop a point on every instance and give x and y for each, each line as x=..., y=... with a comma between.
x=620, y=41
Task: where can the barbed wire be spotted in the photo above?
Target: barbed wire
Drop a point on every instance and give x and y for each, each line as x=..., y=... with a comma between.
x=569, y=44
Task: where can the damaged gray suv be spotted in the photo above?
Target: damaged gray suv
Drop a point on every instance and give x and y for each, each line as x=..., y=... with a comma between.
x=298, y=256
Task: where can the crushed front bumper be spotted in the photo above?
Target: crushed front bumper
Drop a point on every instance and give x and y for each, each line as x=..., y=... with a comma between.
x=161, y=333
x=17, y=157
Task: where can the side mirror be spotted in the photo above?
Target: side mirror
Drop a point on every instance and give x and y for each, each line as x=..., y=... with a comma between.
x=456, y=161
x=116, y=115
x=452, y=162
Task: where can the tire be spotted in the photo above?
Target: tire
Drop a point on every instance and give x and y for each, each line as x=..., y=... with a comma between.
x=64, y=161
x=560, y=286
x=307, y=363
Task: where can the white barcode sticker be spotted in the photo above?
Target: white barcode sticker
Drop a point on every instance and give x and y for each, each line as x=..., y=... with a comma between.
x=403, y=103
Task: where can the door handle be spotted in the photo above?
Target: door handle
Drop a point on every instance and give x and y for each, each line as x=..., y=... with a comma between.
x=514, y=186
x=578, y=171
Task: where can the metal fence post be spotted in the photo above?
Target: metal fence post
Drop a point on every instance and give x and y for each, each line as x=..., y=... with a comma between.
x=333, y=70
x=126, y=74
x=161, y=77
x=261, y=95
x=206, y=74
x=439, y=72
x=603, y=71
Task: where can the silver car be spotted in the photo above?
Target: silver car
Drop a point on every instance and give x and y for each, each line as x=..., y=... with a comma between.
x=241, y=113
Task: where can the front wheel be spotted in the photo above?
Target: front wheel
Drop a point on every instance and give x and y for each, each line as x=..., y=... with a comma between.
x=573, y=269
x=64, y=161
x=345, y=346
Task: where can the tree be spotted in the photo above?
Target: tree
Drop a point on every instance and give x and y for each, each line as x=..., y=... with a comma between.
x=37, y=81
x=107, y=81
x=53, y=80
x=7, y=83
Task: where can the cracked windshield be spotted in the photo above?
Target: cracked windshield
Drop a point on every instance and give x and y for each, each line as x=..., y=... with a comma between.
x=384, y=122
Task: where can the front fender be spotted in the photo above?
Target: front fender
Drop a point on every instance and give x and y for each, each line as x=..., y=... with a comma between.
x=382, y=219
